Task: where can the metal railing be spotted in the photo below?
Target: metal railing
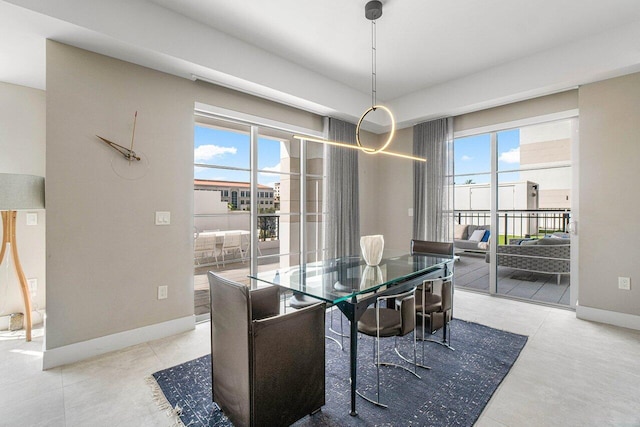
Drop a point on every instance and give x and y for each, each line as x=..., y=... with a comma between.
x=520, y=223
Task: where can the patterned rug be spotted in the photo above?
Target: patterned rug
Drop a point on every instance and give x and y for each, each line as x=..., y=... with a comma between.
x=453, y=393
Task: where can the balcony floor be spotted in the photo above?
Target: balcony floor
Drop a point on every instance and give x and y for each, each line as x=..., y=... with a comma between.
x=472, y=272
x=236, y=271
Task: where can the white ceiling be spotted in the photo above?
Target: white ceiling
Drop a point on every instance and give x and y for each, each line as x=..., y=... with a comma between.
x=433, y=58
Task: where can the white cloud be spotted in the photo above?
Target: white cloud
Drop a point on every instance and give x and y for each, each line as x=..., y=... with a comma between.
x=466, y=158
x=511, y=156
x=275, y=168
x=208, y=152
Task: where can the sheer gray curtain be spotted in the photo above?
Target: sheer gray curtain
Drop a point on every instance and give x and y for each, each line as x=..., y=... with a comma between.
x=433, y=181
x=342, y=224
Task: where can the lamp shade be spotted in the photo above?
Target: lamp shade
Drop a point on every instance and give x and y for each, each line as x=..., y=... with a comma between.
x=18, y=191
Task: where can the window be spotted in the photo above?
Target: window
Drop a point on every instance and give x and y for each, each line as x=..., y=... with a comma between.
x=532, y=186
x=222, y=155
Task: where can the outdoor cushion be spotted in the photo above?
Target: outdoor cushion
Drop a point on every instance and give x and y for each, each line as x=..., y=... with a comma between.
x=460, y=231
x=469, y=245
x=555, y=241
x=529, y=242
x=477, y=236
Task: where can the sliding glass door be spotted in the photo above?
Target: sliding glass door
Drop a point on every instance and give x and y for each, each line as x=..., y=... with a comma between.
x=523, y=202
x=257, y=200
x=472, y=204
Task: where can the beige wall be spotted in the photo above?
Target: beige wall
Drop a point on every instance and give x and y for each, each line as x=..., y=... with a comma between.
x=105, y=256
x=22, y=150
x=393, y=193
x=558, y=102
x=609, y=154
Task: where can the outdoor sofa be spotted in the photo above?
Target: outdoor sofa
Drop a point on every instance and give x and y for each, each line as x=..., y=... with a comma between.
x=549, y=255
x=464, y=239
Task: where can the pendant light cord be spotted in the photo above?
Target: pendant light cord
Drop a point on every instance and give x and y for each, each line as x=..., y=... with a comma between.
x=373, y=65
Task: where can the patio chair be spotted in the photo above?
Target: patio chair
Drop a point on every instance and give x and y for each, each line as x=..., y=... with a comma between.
x=205, y=247
x=232, y=243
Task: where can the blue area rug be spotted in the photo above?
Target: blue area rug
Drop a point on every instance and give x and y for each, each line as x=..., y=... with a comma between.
x=453, y=393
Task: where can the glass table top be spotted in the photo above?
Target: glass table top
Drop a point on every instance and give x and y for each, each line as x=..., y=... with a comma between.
x=339, y=279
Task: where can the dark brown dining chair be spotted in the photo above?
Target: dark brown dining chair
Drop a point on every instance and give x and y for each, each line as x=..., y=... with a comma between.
x=434, y=314
x=263, y=374
x=299, y=300
x=434, y=299
x=430, y=247
x=382, y=322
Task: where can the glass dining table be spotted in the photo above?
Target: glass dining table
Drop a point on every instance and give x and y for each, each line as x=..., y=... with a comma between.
x=352, y=285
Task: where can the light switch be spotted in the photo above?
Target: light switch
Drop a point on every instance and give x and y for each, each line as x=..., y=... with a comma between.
x=163, y=292
x=163, y=218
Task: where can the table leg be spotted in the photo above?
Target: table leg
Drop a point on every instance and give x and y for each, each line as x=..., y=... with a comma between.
x=353, y=353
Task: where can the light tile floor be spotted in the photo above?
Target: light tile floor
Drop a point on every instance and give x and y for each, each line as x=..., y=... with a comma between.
x=570, y=373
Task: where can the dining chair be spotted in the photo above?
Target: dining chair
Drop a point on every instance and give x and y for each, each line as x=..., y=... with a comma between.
x=431, y=247
x=268, y=368
x=299, y=300
x=439, y=299
x=382, y=322
x=435, y=309
x=232, y=242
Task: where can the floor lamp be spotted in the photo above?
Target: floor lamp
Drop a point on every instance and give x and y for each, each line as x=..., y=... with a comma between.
x=18, y=192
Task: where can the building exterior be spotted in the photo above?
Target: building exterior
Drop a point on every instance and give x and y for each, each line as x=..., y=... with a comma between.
x=545, y=149
x=276, y=195
x=520, y=195
x=237, y=195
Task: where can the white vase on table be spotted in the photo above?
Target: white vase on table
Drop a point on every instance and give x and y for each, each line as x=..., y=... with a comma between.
x=372, y=248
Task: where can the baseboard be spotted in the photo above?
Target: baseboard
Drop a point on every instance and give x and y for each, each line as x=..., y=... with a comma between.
x=83, y=350
x=624, y=320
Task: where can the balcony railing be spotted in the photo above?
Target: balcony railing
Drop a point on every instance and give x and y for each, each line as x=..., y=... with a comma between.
x=520, y=223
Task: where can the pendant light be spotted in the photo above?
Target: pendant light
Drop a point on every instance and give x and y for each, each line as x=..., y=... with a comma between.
x=372, y=11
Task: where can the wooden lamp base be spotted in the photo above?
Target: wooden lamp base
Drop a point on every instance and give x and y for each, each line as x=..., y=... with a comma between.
x=9, y=236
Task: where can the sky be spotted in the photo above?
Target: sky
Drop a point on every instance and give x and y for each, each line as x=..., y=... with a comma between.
x=231, y=149
x=472, y=155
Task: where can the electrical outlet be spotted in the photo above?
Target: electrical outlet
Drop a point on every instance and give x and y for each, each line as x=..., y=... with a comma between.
x=624, y=283
x=33, y=286
x=32, y=218
x=163, y=292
